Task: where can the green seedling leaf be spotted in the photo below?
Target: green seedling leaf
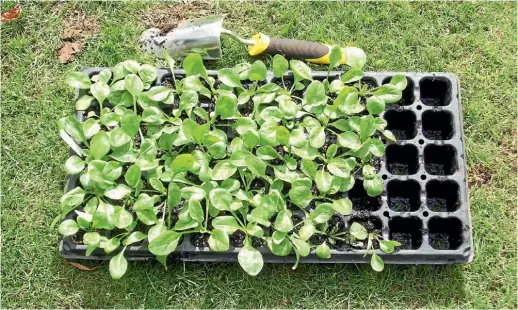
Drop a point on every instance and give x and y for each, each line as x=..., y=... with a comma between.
x=323, y=251
x=147, y=73
x=343, y=206
x=255, y=165
x=118, y=265
x=182, y=163
x=367, y=127
x=317, y=137
x=353, y=75
x=283, y=222
x=226, y=106
x=220, y=198
x=78, y=80
x=280, y=65
x=165, y=243
x=99, y=145
x=74, y=165
x=133, y=84
x=358, y=231
x=68, y=228
x=257, y=71
x=159, y=93
x=315, y=94
x=283, y=135
x=374, y=186
x=386, y=246
x=121, y=218
x=118, y=192
x=134, y=237
x=399, y=81
x=193, y=64
x=301, y=71
x=302, y=246
x=375, y=105
x=223, y=170
x=219, y=241
x=100, y=91
x=91, y=238
x=229, y=77
x=335, y=57
x=250, y=260
x=322, y=213
x=309, y=168
x=323, y=180
x=301, y=196
x=90, y=127
x=227, y=224
x=84, y=102
x=355, y=57
x=388, y=93
x=377, y=263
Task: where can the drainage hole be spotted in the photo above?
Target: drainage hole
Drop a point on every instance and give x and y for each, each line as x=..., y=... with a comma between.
x=384, y=177
x=386, y=214
x=425, y=213
x=419, y=107
x=423, y=177
x=421, y=141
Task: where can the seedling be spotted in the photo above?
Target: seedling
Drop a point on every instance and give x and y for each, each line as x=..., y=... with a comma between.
x=159, y=163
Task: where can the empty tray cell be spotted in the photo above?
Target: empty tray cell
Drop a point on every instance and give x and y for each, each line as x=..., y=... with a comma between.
x=403, y=124
x=435, y=91
x=438, y=125
x=440, y=159
x=402, y=159
x=403, y=196
x=407, y=97
x=361, y=201
x=442, y=196
x=445, y=233
x=407, y=231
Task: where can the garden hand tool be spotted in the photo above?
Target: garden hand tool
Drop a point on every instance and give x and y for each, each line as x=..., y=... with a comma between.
x=204, y=35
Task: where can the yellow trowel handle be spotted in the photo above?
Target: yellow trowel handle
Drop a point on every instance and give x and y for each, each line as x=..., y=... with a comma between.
x=310, y=51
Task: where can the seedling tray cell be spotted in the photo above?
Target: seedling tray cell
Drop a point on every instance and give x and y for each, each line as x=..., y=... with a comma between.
x=424, y=204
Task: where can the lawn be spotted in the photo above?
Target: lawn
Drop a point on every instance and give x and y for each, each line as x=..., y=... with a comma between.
x=476, y=41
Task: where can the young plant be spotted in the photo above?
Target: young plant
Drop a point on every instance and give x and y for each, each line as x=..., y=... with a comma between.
x=224, y=159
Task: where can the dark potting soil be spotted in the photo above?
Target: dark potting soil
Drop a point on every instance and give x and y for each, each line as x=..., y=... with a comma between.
x=246, y=109
x=330, y=139
x=404, y=238
x=336, y=225
x=169, y=82
x=278, y=161
x=296, y=220
x=437, y=204
x=247, y=84
x=437, y=169
x=400, y=204
x=432, y=134
x=439, y=241
x=237, y=239
x=431, y=101
x=200, y=239
x=77, y=238
x=398, y=168
x=257, y=184
x=376, y=162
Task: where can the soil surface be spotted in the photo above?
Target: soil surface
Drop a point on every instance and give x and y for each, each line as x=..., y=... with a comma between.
x=431, y=134
x=404, y=238
x=200, y=240
x=398, y=168
x=437, y=204
x=431, y=101
x=278, y=161
x=437, y=169
x=440, y=241
x=237, y=239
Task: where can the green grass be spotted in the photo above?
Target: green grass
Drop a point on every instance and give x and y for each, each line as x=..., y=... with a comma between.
x=477, y=41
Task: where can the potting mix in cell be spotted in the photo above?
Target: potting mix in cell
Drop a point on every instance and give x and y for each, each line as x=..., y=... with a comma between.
x=249, y=165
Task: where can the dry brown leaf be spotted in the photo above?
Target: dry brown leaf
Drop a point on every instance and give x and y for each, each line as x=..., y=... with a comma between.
x=11, y=14
x=68, y=50
x=83, y=267
x=77, y=29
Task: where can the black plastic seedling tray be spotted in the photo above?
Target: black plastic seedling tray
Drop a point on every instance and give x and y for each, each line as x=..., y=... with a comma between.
x=424, y=204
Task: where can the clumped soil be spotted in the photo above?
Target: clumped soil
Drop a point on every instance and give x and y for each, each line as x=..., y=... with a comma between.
x=440, y=241
x=398, y=168
x=330, y=139
x=257, y=184
x=237, y=239
x=405, y=238
x=246, y=109
x=400, y=204
x=432, y=134
x=278, y=161
x=437, y=204
x=433, y=168
x=336, y=223
x=200, y=240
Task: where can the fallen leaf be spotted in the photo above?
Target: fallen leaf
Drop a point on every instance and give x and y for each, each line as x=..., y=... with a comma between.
x=83, y=267
x=11, y=14
x=68, y=50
